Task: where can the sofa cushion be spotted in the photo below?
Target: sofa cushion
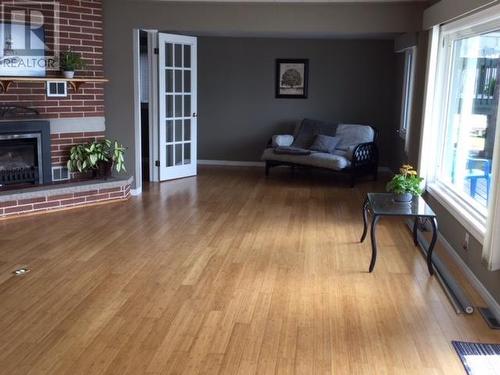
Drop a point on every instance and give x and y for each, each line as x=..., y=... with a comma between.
x=315, y=159
x=347, y=153
x=352, y=135
x=324, y=143
x=309, y=129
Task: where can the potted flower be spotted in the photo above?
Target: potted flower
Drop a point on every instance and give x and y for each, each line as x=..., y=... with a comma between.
x=70, y=61
x=99, y=157
x=405, y=185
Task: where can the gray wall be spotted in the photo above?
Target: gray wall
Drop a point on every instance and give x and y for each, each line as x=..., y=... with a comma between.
x=306, y=20
x=352, y=81
x=454, y=232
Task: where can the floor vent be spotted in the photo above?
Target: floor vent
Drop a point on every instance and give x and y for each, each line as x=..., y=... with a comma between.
x=21, y=271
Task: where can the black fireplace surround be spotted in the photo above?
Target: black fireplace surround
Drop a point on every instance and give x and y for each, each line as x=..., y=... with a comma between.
x=25, y=153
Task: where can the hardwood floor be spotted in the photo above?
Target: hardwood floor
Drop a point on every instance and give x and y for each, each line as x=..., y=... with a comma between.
x=224, y=273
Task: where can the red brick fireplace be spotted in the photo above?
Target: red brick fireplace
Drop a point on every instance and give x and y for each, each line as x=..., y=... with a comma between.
x=77, y=118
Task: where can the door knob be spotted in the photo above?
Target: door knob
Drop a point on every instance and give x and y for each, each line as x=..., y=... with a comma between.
x=194, y=114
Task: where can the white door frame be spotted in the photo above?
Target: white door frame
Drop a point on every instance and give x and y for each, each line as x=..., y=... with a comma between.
x=153, y=108
x=154, y=175
x=137, y=113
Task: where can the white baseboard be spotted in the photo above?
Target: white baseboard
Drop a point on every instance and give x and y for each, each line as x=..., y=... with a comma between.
x=472, y=278
x=136, y=192
x=232, y=163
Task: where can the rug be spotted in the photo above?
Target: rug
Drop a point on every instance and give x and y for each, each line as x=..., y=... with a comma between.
x=479, y=359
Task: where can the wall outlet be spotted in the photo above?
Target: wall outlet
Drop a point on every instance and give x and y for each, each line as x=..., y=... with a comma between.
x=465, y=245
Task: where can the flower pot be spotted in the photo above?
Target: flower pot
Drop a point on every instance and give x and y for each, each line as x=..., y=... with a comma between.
x=68, y=74
x=103, y=170
x=402, y=198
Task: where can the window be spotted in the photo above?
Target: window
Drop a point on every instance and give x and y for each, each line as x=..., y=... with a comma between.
x=470, y=118
x=407, y=96
x=461, y=146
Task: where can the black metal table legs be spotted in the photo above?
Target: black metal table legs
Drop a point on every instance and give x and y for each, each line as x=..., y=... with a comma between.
x=373, y=232
x=373, y=235
x=365, y=220
x=415, y=231
x=432, y=244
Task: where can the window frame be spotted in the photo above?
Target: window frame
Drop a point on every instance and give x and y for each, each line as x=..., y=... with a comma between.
x=467, y=212
x=407, y=94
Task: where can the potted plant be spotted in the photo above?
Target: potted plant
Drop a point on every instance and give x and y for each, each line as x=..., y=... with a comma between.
x=405, y=185
x=98, y=157
x=70, y=61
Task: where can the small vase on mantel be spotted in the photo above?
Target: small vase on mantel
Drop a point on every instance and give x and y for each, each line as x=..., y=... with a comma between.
x=69, y=74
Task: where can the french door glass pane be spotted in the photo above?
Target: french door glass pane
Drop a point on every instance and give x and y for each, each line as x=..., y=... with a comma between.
x=187, y=81
x=178, y=55
x=178, y=154
x=178, y=81
x=472, y=116
x=178, y=130
x=170, y=155
x=187, y=56
x=170, y=131
x=168, y=55
x=178, y=106
x=169, y=80
x=170, y=105
x=187, y=153
x=187, y=130
x=187, y=105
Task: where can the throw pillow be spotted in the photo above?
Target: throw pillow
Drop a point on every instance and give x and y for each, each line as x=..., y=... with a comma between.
x=324, y=143
x=308, y=129
x=282, y=140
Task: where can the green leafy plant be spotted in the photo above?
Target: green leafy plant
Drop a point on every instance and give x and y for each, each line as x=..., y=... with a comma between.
x=91, y=156
x=70, y=61
x=407, y=181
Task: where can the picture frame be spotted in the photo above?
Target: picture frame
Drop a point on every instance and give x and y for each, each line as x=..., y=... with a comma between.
x=292, y=78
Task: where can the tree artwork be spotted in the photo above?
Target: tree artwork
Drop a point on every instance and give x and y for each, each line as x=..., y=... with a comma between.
x=291, y=78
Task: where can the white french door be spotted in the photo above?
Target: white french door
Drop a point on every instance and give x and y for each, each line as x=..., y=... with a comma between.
x=177, y=106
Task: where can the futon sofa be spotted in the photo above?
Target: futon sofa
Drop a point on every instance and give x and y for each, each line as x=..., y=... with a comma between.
x=346, y=149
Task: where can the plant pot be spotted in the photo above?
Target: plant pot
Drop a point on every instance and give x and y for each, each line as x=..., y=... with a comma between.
x=103, y=170
x=68, y=74
x=402, y=198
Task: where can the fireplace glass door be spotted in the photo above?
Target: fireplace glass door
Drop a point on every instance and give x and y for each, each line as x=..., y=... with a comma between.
x=20, y=156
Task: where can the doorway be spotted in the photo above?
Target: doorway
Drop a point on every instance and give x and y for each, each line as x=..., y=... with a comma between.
x=144, y=105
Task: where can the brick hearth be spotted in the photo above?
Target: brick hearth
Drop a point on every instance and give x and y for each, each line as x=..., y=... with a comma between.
x=64, y=196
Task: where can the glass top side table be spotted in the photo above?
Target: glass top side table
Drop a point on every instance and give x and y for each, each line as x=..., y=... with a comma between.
x=382, y=204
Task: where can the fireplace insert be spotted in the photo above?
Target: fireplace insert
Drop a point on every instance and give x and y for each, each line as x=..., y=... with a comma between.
x=24, y=153
x=19, y=159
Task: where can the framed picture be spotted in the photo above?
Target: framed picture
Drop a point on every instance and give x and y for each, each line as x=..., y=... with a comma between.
x=292, y=78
